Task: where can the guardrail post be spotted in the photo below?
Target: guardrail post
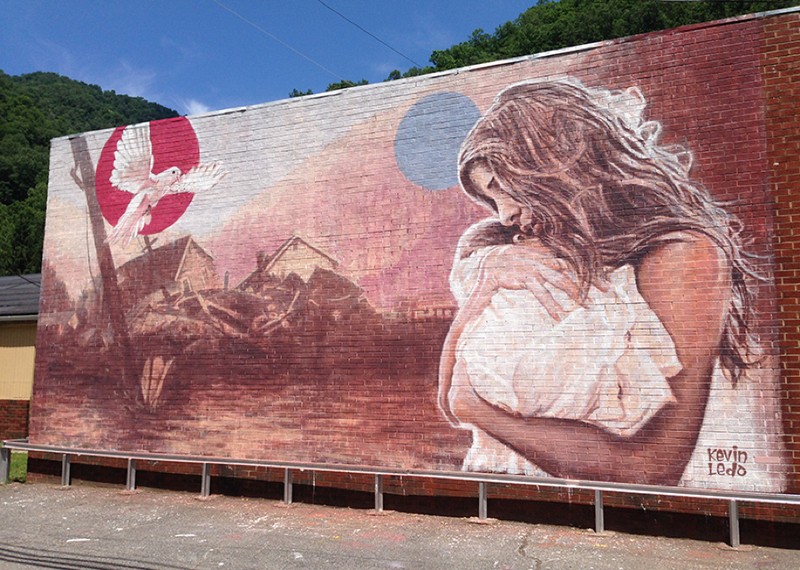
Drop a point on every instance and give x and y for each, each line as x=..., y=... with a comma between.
x=378, y=493
x=130, y=482
x=5, y=465
x=483, y=507
x=287, y=486
x=66, y=464
x=205, y=481
x=733, y=517
x=599, y=515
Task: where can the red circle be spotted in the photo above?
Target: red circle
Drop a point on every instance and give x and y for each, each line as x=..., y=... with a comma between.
x=174, y=143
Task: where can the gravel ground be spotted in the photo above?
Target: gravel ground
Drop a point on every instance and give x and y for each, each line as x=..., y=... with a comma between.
x=100, y=527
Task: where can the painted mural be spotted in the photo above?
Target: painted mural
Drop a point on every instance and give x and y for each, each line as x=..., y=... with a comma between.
x=529, y=270
x=580, y=315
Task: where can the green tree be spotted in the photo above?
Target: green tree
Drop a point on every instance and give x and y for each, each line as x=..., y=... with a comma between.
x=551, y=25
x=479, y=48
x=344, y=84
x=298, y=93
x=557, y=24
x=22, y=232
x=37, y=107
x=34, y=109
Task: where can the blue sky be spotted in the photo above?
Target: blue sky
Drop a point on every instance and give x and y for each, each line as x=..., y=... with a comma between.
x=197, y=55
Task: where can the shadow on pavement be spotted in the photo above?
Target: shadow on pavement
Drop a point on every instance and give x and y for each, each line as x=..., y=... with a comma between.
x=40, y=558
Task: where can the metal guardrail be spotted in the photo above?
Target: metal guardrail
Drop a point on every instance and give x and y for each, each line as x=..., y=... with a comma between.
x=482, y=479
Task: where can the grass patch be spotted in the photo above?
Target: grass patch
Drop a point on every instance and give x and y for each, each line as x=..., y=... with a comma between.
x=19, y=466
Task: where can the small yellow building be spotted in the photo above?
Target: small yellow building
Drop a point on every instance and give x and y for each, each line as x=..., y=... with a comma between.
x=19, y=308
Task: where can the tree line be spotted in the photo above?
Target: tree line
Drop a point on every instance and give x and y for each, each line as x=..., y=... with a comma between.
x=36, y=107
x=556, y=24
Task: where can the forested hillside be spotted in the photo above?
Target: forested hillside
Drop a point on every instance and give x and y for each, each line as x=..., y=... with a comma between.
x=35, y=108
x=39, y=106
x=556, y=24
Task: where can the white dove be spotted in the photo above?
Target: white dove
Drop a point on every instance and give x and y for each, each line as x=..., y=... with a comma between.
x=133, y=172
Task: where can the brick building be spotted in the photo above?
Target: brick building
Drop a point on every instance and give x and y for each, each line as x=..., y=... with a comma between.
x=665, y=191
x=19, y=307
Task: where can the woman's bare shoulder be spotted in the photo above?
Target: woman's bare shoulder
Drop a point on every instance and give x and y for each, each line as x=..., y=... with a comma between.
x=686, y=280
x=687, y=250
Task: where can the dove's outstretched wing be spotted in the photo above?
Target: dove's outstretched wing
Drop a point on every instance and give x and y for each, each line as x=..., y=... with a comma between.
x=135, y=217
x=133, y=159
x=201, y=178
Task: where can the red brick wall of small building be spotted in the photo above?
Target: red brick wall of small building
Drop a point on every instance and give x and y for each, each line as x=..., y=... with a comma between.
x=13, y=419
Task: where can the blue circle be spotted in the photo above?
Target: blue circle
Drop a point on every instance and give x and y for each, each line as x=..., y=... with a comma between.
x=429, y=137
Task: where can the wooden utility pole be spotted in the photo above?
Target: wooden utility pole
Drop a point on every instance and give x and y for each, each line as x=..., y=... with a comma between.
x=111, y=297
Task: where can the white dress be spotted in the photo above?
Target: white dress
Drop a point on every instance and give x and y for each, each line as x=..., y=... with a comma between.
x=605, y=362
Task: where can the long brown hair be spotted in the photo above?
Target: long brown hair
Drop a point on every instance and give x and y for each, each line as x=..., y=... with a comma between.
x=602, y=189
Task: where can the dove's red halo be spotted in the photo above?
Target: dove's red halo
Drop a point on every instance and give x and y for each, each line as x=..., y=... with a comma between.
x=174, y=144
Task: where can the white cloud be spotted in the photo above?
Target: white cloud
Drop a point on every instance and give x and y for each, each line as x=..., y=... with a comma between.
x=48, y=55
x=123, y=77
x=132, y=81
x=119, y=75
x=385, y=67
x=194, y=107
x=429, y=35
x=189, y=49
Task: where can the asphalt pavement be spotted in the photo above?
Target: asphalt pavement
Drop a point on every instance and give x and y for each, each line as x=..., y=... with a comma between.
x=90, y=526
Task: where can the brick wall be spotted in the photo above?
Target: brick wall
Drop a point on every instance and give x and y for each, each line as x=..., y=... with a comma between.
x=14, y=422
x=781, y=59
x=297, y=310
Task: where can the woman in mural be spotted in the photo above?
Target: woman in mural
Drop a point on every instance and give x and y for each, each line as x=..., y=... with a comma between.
x=599, y=301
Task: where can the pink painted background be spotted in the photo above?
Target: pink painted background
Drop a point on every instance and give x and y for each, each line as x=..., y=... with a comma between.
x=346, y=373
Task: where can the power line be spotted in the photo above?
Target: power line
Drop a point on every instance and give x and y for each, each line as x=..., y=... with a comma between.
x=277, y=39
x=24, y=278
x=373, y=36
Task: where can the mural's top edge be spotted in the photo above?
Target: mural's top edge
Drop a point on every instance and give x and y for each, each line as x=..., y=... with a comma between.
x=479, y=66
x=768, y=13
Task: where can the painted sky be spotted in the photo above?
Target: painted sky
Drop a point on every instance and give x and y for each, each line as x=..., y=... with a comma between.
x=196, y=56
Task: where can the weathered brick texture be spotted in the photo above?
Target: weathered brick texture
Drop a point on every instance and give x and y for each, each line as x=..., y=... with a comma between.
x=781, y=73
x=302, y=307
x=13, y=419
